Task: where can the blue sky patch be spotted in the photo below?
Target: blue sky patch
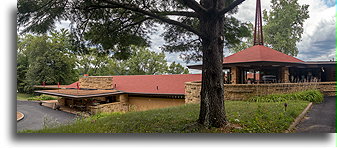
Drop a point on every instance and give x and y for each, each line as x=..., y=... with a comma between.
x=330, y=3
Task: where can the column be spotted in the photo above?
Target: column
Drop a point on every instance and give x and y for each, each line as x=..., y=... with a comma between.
x=235, y=75
x=285, y=74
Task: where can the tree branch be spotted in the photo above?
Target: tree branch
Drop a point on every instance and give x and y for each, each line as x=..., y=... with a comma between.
x=230, y=7
x=179, y=13
x=133, y=24
x=133, y=8
x=194, y=5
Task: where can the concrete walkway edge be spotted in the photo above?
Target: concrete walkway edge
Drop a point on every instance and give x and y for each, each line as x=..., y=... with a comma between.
x=21, y=116
x=299, y=118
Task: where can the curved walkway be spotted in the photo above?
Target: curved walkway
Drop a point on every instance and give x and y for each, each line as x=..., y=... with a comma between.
x=320, y=119
x=36, y=116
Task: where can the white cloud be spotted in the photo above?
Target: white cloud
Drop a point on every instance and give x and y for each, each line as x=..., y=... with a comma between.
x=247, y=10
x=62, y=24
x=319, y=37
x=318, y=40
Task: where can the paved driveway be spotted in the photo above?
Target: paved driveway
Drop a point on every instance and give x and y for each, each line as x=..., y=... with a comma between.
x=320, y=119
x=36, y=116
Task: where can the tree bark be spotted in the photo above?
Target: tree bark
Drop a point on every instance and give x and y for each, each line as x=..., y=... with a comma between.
x=212, y=110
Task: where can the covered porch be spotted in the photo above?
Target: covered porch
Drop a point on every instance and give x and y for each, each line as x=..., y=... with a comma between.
x=260, y=64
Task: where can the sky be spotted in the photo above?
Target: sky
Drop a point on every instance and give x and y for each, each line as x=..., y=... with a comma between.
x=318, y=40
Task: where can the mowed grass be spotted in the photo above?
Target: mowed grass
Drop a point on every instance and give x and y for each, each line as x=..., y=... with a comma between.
x=253, y=117
x=23, y=96
x=32, y=97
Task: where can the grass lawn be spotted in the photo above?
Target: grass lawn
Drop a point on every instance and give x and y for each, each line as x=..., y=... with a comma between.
x=253, y=117
x=23, y=96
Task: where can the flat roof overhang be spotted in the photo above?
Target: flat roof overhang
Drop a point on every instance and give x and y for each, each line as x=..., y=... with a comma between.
x=79, y=94
x=257, y=64
x=50, y=86
x=253, y=64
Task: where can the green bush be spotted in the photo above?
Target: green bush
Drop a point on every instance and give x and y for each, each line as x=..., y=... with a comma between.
x=308, y=95
x=42, y=97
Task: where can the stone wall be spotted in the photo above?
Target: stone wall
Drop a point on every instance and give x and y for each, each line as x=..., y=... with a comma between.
x=147, y=103
x=109, y=107
x=96, y=82
x=244, y=91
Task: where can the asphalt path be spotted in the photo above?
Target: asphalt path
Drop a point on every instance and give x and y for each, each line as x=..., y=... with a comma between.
x=37, y=117
x=321, y=118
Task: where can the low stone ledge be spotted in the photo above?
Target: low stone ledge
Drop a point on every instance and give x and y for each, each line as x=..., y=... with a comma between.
x=244, y=91
x=241, y=91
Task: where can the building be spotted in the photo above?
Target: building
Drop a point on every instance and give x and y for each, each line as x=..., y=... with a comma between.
x=258, y=70
x=260, y=64
x=124, y=93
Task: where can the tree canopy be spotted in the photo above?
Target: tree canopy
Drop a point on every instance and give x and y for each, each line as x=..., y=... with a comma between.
x=51, y=59
x=45, y=58
x=284, y=25
x=142, y=61
x=201, y=27
x=114, y=25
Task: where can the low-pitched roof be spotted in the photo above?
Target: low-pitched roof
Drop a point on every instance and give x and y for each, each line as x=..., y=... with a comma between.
x=260, y=53
x=73, y=85
x=151, y=84
x=74, y=93
x=154, y=84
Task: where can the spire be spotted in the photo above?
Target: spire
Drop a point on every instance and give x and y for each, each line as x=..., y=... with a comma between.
x=258, y=35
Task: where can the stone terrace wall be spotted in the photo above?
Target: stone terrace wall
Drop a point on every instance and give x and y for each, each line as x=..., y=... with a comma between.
x=109, y=107
x=244, y=91
x=96, y=82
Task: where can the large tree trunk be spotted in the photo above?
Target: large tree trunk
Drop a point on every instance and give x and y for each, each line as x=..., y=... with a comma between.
x=212, y=110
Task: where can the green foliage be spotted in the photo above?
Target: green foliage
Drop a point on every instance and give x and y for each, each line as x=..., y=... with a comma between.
x=45, y=58
x=142, y=61
x=284, y=25
x=21, y=70
x=283, y=28
x=179, y=40
x=23, y=96
x=176, y=68
x=245, y=42
x=308, y=95
x=91, y=62
x=114, y=28
x=253, y=117
x=42, y=97
x=264, y=117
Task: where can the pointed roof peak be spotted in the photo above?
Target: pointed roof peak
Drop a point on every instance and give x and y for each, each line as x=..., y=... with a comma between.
x=258, y=34
x=260, y=53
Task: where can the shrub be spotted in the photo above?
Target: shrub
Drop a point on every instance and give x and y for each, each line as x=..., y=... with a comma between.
x=308, y=95
x=42, y=97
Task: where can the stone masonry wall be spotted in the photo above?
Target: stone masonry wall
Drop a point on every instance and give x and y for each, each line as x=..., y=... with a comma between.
x=110, y=107
x=244, y=91
x=96, y=82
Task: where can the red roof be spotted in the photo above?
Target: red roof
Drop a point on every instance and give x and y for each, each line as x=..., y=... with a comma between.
x=260, y=53
x=154, y=84
x=151, y=84
x=73, y=85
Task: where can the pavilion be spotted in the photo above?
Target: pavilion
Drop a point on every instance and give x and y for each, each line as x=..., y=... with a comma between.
x=261, y=64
